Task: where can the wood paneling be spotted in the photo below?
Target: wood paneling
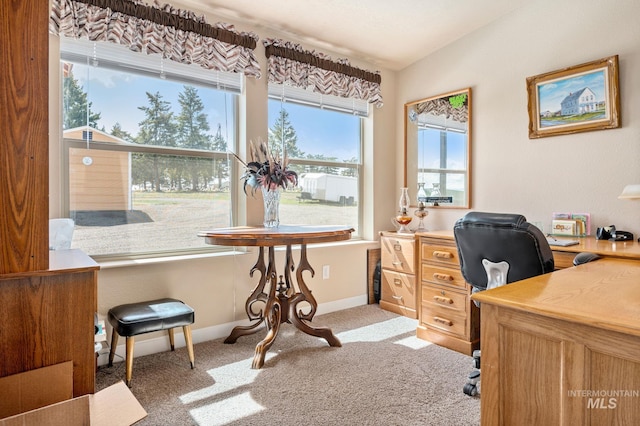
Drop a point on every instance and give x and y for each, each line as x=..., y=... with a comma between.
x=48, y=318
x=24, y=161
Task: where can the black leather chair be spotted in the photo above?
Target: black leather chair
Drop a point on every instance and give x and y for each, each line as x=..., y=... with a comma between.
x=497, y=249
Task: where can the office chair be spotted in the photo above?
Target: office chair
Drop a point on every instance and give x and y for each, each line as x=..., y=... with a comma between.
x=497, y=249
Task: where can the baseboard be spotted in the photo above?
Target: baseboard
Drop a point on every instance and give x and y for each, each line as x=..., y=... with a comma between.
x=161, y=343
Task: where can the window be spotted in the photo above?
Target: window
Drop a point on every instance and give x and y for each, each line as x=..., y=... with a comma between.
x=323, y=140
x=446, y=174
x=145, y=145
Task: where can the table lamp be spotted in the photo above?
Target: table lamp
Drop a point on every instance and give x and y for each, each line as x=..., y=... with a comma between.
x=630, y=192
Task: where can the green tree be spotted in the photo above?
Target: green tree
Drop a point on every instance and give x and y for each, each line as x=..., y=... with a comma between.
x=192, y=128
x=192, y=121
x=76, y=112
x=322, y=169
x=282, y=134
x=220, y=166
x=119, y=132
x=349, y=171
x=157, y=128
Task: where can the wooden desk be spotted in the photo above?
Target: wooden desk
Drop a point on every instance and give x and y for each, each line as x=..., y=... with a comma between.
x=563, y=256
x=282, y=297
x=563, y=348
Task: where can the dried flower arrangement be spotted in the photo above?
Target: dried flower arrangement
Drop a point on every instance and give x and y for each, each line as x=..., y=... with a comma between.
x=266, y=169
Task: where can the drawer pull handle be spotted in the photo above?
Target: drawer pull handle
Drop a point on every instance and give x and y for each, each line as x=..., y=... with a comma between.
x=442, y=254
x=442, y=277
x=397, y=281
x=443, y=321
x=397, y=247
x=396, y=263
x=441, y=299
x=397, y=297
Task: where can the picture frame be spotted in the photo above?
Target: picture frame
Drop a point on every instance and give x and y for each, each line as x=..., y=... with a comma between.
x=576, y=99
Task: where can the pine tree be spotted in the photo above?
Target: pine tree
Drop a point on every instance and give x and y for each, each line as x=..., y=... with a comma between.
x=220, y=167
x=75, y=110
x=192, y=122
x=282, y=134
x=157, y=128
x=119, y=132
x=192, y=133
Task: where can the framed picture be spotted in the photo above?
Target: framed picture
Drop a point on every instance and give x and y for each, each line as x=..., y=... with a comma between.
x=575, y=99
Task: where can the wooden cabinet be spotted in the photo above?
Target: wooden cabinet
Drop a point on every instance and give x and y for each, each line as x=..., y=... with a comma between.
x=398, y=286
x=563, y=348
x=446, y=314
x=47, y=317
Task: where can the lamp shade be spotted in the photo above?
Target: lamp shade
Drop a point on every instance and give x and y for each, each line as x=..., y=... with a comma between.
x=630, y=192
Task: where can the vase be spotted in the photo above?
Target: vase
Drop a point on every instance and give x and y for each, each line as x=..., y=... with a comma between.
x=271, y=207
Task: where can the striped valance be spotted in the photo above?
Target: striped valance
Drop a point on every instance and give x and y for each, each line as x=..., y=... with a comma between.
x=290, y=64
x=455, y=107
x=177, y=35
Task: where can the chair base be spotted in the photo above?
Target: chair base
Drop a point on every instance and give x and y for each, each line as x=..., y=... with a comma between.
x=471, y=387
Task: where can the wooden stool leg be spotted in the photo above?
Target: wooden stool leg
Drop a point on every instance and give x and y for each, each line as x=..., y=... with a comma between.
x=130, y=342
x=171, y=339
x=189, y=343
x=114, y=343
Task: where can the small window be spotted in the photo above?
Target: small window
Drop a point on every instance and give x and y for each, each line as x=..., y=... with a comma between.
x=324, y=144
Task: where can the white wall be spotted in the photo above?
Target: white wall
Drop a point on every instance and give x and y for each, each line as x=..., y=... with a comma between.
x=511, y=173
x=217, y=286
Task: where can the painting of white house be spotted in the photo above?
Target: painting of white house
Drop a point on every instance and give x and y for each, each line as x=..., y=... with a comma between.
x=572, y=100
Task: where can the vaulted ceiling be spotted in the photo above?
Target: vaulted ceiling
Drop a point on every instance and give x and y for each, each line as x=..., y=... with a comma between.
x=388, y=33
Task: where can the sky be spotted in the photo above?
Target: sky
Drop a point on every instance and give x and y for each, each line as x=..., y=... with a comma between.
x=429, y=155
x=118, y=95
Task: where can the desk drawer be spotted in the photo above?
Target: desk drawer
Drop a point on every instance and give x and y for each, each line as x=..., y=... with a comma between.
x=443, y=319
x=445, y=298
x=398, y=288
x=443, y=276
x=442, y=254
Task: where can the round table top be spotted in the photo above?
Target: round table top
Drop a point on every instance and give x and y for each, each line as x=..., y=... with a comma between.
x=280, y=235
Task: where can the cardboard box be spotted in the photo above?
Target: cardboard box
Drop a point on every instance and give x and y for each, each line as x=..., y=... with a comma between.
x=44, y=397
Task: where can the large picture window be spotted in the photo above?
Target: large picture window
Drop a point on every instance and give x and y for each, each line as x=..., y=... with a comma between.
x=145, y=146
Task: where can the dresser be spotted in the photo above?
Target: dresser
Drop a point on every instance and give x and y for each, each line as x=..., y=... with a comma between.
x=446, y=314
x=398, y=280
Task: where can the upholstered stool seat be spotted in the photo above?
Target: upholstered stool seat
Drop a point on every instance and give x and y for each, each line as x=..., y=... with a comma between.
x=145, y=317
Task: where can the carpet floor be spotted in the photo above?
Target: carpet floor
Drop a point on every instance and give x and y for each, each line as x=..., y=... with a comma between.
x=382, y=375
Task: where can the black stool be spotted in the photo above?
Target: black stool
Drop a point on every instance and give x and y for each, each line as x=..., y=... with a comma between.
x=144, y=317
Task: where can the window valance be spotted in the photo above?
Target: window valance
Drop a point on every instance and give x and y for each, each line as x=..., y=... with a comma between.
x=178, y=35
x=454, y=107
x=290, y=64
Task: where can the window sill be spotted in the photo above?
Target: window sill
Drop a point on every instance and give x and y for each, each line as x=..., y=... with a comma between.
x=110, y=264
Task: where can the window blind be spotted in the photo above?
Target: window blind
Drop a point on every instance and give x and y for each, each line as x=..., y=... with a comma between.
x=120, y=58
x=302, y=96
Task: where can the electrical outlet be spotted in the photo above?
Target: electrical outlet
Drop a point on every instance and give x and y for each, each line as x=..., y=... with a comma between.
x=325, y=272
